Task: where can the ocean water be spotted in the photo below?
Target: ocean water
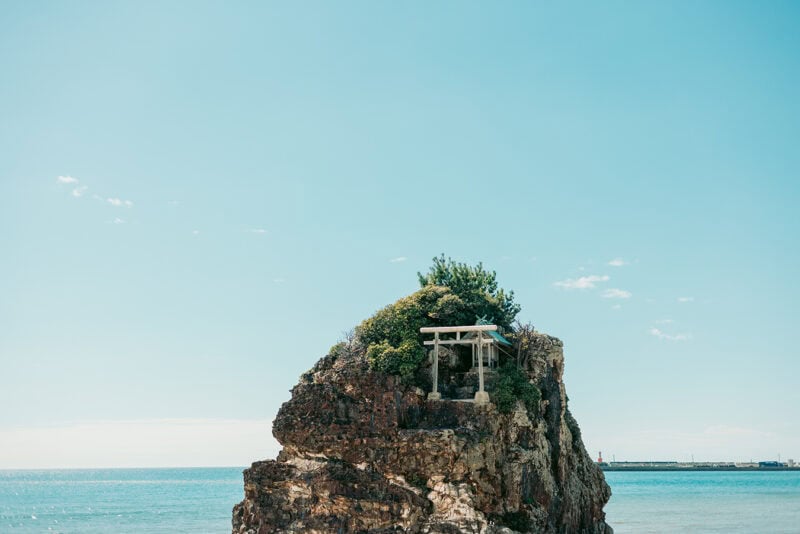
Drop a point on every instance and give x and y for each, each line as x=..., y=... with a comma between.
x=704, y=501
x=200, y=500
x=119, y=500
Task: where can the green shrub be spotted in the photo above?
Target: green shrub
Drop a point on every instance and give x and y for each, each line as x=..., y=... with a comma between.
x=402, y=360
x=394, y=344
x=477, y=289
x=513, y=385
x=402, y=320
x=337, y=350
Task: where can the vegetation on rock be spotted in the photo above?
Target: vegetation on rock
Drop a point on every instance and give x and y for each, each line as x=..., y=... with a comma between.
x=477, y=289
x=452, y=294
x=513, y=385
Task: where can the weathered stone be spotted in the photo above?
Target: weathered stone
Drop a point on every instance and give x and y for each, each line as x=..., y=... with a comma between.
x=364, y=453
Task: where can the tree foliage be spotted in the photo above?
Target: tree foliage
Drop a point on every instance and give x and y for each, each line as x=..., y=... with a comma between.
x=451, y=294
x=402, y=360
x=392, y=338
x=476, y=287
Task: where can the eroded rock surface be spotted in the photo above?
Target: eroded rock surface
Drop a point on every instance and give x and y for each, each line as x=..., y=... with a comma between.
x=364, y=453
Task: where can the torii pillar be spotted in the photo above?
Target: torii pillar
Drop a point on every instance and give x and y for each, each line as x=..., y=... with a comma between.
x=481, y=397
x=435, y=395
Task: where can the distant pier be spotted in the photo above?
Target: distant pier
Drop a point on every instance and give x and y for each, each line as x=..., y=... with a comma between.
x=697, y=466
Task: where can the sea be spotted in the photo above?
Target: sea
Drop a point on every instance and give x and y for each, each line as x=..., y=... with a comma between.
x=200, y=500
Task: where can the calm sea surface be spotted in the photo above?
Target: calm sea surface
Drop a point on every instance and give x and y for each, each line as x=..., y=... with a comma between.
x=704, y=501
x=119, y=500
x=200, y=500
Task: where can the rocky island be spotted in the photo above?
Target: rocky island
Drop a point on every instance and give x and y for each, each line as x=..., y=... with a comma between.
x=366, y=450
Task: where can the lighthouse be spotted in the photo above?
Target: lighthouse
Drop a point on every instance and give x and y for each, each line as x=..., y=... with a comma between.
x=600, y=457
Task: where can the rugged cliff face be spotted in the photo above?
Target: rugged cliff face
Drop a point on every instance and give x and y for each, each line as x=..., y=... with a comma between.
x=363, y=452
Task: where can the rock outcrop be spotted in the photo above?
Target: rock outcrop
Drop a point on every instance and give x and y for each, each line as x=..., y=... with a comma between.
x=363, y=452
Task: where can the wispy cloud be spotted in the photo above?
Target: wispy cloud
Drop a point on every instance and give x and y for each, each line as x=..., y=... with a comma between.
x=118, y=202
x=67, y=180
x=617, y=262
x=174, y=202
x=669, y=337
x=399, y=259
x=260, y=231
x=664, y=321
x=117, y=220
x=195, y=232
x=584, y=282
x=616, y=307
x=685, y=299
x=79, y=191
x=616, y=294
x=279, y=280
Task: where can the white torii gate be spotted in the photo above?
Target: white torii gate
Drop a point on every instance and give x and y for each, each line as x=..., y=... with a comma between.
x=481, y=396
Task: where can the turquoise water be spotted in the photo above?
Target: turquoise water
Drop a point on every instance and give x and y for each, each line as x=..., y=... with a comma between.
x=703, y=501
x=119, y=500
x=200, y=500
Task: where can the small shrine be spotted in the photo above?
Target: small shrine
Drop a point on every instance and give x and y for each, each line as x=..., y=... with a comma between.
x=485, y=341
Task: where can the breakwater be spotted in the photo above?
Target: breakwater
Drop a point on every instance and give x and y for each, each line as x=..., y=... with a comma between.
x=695, y=466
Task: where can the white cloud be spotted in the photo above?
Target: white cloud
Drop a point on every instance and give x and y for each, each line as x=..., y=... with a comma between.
x=399, y=259
x=618, y=262
x=616, y=306
x=616, y=294
x=260, y=231
x=279, y=280
x=584, y=282
x=117, y=220
x=665, y=321
x=119, y=202
x=67, y=180
x=195, y=232
x=670, y=337
x=79, y=191
x=139, y=443
x=685, y=299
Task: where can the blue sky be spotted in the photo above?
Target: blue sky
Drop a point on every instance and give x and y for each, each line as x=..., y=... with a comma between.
x=197, y=199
